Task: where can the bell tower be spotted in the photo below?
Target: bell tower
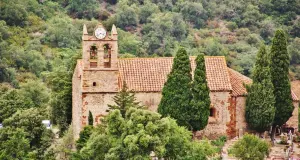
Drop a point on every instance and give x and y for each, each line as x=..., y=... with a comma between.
x=100, y=60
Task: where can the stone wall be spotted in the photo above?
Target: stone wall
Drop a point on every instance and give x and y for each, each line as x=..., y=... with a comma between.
x=240, y=116
x=97, y=103
x=149, y=99
x=217, y=124
x=104, y=81
x=76, y=102
x=293, y=121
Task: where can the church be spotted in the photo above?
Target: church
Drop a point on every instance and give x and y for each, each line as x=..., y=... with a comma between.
x=99, y=75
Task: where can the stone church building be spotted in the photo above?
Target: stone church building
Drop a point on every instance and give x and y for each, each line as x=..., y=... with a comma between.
x=99, y=75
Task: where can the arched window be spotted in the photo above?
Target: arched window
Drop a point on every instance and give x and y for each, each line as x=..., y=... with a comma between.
x=212, y=112
x=93, y=56
x=107, y=55
x=93, y=52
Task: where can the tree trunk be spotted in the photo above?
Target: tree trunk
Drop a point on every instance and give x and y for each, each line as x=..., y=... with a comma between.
x=273, y=134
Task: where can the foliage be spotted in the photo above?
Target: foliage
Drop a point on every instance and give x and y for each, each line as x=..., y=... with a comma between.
x=279, y=71
x=84, y=136
x=138, y=134
x=294, y=51
x=194, y=13
x=260, y=110
x=89, y=10
x=250, y=147
x=62, y=148
x=14, y=143
x=128, y=43
x=61, y=33
x=91, y=119
x=126, y=17
x=124, y=100
x=30, y=121
x=200, y=104
x=10, y=102
x=175, y=100
x=60, y=83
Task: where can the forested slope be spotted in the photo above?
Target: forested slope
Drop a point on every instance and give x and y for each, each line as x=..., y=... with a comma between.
x=40, y=41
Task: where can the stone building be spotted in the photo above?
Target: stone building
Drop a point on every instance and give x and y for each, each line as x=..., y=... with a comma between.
x=99, y=75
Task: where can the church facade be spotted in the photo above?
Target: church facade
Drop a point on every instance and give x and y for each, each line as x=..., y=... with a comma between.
x=99, y=75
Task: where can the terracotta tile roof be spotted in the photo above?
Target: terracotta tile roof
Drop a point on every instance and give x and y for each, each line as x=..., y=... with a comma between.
x=238, y=80
x=150, y=74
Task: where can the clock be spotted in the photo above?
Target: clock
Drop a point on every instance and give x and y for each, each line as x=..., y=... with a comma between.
x=100, y=33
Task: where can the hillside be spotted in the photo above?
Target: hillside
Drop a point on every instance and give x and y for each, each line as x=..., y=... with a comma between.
x=40, y=41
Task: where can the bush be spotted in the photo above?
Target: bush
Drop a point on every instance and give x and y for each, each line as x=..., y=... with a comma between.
x=232, y=26
x=250, y=147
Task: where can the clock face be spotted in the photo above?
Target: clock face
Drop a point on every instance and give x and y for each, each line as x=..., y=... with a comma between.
x=100, y=33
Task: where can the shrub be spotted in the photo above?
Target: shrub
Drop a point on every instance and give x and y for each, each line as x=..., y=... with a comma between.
x=250, y=147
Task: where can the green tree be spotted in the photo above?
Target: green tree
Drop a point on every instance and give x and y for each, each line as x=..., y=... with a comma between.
x=294, y=51
x=124, y=100
x=126, y=17
x=83, y=137
x=62, y=33
x=84, y=9
x=250, y=147
x=14, y=143
x=282, y=88
x=194, y=13
x=200, y=104
x=30, y=120
x=34, y=93
x=139, y=133
x=176, y=93
x=91, y=119
x=147, y=10
x=260, y=110
x=10, y=102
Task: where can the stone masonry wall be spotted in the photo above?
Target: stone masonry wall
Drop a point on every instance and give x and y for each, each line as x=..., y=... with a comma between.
x=76, y=102
x=97, y=103
x=240, y=116
x=105, y=81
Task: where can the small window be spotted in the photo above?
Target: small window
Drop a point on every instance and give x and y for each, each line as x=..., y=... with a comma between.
x=94, y=83
x=212, y=112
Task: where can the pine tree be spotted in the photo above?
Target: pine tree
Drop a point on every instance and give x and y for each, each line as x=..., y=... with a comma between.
x=124, y=100
x=91, y=119
x=260, y=101
x=176, y=93
x=282, y=87
x=199, y=108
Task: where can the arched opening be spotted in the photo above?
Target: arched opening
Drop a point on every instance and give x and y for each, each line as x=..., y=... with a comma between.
x=107, y=55
x=94, y=84
x=212, y=112
x=93, y=56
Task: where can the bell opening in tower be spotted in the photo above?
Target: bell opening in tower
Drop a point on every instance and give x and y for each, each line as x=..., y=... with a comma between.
x=93, y=56
x=107, y=56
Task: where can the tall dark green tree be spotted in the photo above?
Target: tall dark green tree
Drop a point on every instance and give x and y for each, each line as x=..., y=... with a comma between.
x=124, y=100
x=260, y=110
x=279, y=71
x=199, y=108
x=176, y=93
x=91, y=119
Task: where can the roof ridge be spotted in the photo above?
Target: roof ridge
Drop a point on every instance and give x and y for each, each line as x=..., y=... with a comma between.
x=168, y=57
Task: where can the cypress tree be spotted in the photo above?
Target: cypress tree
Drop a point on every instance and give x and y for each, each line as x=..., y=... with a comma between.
x=124, y=100
x=176, y=93
x=260, y=110
x=279, y=73
x=91, y=119
x=200, y=104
